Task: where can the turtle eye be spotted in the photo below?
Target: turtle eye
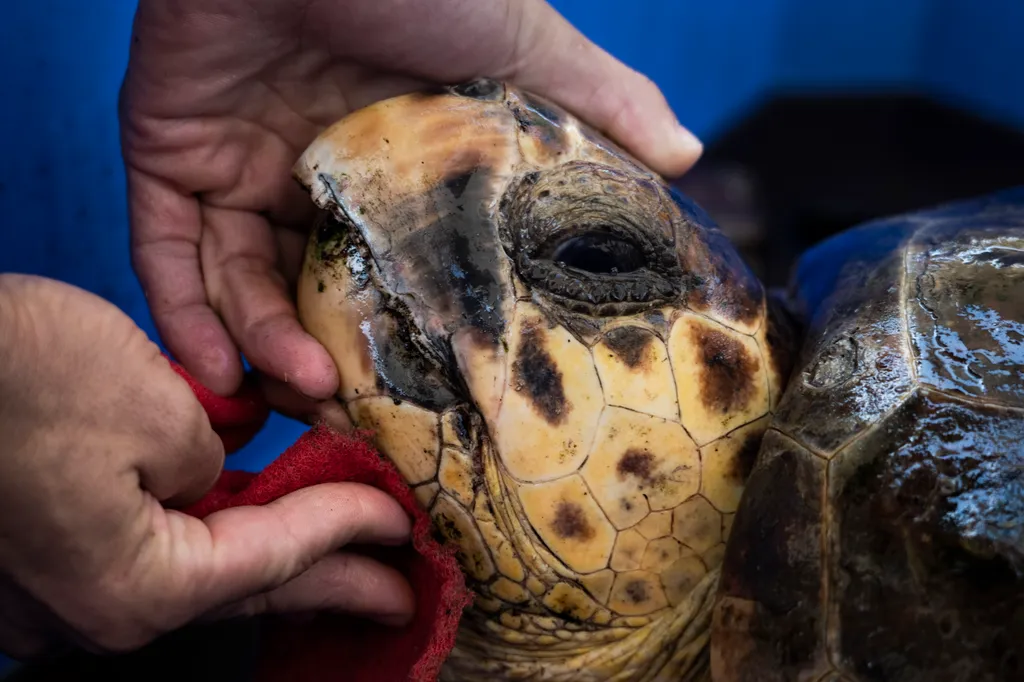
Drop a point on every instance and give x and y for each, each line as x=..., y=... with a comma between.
x=598, y=253
x=592, y=238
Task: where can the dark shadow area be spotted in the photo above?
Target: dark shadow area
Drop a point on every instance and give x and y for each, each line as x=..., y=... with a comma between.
x=217, y=652
x=802, y=167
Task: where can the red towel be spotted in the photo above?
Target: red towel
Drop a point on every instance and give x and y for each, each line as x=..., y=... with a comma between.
x=338, y=648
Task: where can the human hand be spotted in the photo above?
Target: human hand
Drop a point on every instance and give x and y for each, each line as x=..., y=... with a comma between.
x=98, y=436
x=222, y=96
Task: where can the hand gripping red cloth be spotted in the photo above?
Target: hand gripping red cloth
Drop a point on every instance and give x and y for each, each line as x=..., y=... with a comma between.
x=338, y=648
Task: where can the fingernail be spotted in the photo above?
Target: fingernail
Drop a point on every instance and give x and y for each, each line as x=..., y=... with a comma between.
x=679, y=150
x=686, y=141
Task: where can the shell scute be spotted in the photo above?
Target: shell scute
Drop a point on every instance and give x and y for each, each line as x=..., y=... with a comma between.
x=656, y=525
x=720, y=377
x=599, y=584
x=662, y=553
x=407, y=434
x=552, y=400
x=569, y=602
x=570, y=522
x=697, y=524
x=637, y=593
x=508, y=591
x=635, y=372
x=455, y=475
x=857, y=367
x=640, y=463
x=727, y=462
x=682, y=576
x=964, y=317
x=931, y=495
x=458, y=527
x=772, y=572
x=628, y=551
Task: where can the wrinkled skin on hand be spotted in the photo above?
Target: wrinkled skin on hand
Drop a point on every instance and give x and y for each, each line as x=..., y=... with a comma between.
x=221, y=97
x=99, y=440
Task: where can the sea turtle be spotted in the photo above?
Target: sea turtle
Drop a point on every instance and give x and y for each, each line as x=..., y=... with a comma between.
x=574, y=370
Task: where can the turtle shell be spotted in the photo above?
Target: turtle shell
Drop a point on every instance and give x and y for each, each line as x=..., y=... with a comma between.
x=881, y=534
x=565, y=358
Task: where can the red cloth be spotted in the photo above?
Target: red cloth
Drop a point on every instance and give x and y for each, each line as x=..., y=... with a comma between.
x=338, y=648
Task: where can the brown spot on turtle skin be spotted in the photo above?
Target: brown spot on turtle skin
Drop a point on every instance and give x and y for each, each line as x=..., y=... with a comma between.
x=631, y=345
x=727, y=379
x=571, y=522
x=636, y=591
x=535, y=371
x=638, y=463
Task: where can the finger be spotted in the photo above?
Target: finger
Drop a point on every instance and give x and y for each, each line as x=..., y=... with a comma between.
x=240, y=259
x=291, y=245
x=165, y=235
x=283, y=398
x=346, y=583
x=178, y=455
x=554, y=60
x=257, y=549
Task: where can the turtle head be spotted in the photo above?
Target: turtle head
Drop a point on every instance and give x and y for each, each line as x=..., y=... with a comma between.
x=562, y=355
x=442, y=209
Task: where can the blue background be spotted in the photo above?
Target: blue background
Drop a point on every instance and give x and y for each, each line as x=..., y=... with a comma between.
x=62, y=199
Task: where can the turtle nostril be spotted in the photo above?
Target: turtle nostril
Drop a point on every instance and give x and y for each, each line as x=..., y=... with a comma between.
x=599, y=253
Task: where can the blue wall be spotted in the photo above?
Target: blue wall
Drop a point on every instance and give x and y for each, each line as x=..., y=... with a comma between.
x=974, y=56
x=868, y=43
x=62, y=199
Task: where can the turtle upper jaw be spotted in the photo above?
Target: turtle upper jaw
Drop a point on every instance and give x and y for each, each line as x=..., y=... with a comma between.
x=405, y=361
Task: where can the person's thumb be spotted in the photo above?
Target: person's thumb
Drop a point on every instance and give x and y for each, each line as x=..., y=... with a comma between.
x=556, y=61
x=283, y=556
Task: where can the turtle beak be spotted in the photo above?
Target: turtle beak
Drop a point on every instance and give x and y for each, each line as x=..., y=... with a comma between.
x=418, y=179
